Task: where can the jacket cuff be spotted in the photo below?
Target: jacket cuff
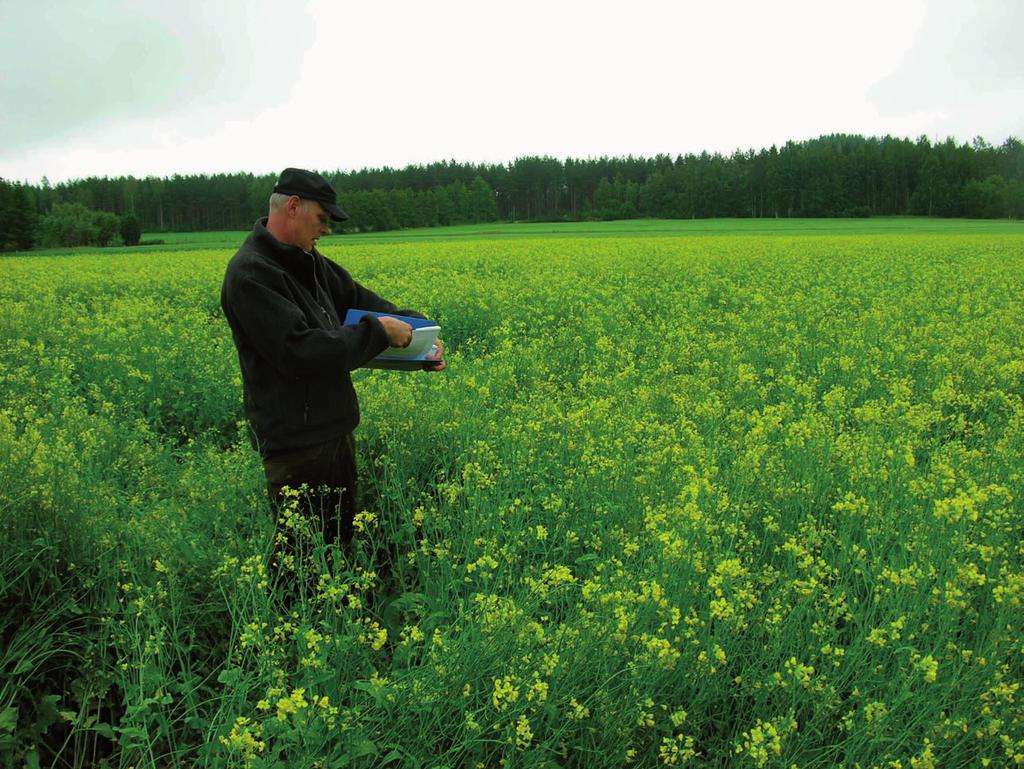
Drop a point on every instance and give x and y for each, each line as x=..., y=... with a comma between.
x=378, y=336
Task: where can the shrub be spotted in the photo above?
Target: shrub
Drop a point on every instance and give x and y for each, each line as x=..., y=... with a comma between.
x=131, y=230
x=72, y=224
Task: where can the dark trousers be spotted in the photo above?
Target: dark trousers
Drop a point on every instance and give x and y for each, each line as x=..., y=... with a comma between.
x=329, y=472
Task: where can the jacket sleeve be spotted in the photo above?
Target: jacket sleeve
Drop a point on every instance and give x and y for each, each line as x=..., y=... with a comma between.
x=273, y=325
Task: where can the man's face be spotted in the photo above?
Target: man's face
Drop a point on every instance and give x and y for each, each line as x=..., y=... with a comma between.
x=311, y=222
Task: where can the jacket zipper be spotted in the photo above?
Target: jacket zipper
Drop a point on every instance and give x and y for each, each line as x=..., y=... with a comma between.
x=318, y=291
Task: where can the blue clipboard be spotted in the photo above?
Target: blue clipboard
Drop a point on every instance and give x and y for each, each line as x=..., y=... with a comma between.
x=385, y=361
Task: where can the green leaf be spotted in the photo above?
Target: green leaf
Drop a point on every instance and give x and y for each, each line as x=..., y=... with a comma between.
x=434, y=620
x=372, y=689
x=104, y=730
x=32, y=760
x=363, y=746
x=8, y=719
x=47, y=711
x=408, y=601
x=229, y=676
x=133, y=737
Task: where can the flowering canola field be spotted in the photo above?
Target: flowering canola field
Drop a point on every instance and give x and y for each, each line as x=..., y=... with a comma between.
x=721, y=501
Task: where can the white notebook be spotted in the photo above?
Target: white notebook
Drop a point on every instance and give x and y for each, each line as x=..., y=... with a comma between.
x=423, y=339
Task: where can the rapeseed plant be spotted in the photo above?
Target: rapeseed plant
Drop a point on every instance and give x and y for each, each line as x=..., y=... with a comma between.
x=771, y=519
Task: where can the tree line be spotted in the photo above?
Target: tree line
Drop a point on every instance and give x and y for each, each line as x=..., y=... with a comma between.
x=835, y=175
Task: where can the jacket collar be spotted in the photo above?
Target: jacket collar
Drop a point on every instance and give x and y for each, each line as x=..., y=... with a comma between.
x=281, y=251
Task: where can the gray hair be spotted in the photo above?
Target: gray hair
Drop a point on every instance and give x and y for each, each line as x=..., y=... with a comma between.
x=278, y=199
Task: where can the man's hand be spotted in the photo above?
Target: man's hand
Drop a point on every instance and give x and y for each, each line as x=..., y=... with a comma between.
x=436, y=355
x=399, y=332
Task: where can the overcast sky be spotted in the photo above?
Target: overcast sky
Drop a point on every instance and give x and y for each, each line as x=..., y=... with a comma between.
x=118, y=87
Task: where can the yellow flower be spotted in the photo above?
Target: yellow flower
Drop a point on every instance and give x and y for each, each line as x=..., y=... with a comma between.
x=927, y=758
x=538, y=691
x=577, y=712
x=411, y=634
x=292, y=704
x=875, y=711
x=505, y=693
x=373, y=635
x=765, y=740
x=524, y=735
x=676, y=750
x=362, y=521
x=929, y=666
x=244, y=738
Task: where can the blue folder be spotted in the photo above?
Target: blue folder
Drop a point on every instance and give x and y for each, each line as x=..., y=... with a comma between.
x=386, y=361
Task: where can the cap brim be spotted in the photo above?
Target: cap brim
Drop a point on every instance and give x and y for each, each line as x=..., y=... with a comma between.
x=334, y=211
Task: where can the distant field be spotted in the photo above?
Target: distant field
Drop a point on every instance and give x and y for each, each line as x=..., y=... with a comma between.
x=634, y=228
x=717, y=493
x=695, y=227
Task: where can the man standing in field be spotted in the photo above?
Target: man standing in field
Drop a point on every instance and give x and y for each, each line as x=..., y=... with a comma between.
x=285, y=303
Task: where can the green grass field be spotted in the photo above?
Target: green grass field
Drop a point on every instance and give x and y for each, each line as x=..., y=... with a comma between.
x=720, y=493
x=175, y=241
x=638, y=228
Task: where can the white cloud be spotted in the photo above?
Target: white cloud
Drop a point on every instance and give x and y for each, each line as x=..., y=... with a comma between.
x=79, y=68
x=963, y=75
x=213, y=87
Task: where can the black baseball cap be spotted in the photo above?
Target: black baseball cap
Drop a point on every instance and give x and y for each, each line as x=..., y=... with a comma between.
x=310, y=185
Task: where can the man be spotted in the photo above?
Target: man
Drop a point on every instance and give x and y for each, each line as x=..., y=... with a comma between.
x=285, y=303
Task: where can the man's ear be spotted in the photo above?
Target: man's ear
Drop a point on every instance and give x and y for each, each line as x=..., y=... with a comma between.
x=293, y=205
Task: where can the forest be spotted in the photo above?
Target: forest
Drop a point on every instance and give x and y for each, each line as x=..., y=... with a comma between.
x=831, y=176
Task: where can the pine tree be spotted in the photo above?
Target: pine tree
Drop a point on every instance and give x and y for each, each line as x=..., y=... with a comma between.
x=482, y=205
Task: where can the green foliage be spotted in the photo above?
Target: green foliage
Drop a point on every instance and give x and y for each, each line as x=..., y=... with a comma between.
x=716, y=499
x=830, y=176
x=1015, y=199
x=17, y=217
x=381, y=211
x=131, y=230
x=107, y=226
x=72, y=224
x=988, y=199
x=616, y=199
x=482, y=205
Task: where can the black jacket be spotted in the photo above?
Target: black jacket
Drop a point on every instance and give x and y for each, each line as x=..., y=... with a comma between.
x=285, y=308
